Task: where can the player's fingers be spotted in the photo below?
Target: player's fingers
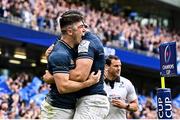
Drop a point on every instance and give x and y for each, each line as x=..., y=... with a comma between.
x=93, y=73
x=99, y=72
x=46, y=71
x=44, y=77
x=48, y=51
x=51, y=47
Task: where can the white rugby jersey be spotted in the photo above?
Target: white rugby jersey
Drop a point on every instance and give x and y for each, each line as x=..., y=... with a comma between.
x=124, y=90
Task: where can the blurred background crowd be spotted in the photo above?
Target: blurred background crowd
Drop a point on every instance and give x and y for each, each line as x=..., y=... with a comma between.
x=21, y=96
x=22, y=93
x=114, y=30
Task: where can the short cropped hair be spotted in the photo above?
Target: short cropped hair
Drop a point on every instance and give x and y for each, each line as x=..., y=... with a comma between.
x=70, y=17
x=110, y=58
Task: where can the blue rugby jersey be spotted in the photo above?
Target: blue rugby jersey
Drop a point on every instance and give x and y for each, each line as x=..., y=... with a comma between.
x=92, y=48
x=61, y=60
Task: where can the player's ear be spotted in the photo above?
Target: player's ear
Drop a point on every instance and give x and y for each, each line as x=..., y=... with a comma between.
x=69, y=30
x=106, y=67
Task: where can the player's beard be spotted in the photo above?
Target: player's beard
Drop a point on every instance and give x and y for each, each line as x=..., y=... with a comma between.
x=77, y=39
x=118, y=73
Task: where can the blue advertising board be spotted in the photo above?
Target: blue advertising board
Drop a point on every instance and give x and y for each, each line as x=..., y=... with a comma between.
x=134, y=58
x=164, y=103
x=168, y=59
x=16, y=33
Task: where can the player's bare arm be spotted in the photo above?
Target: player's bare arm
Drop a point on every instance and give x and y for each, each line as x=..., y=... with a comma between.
x=82, y=70
x=65, y=85
x=80, y=73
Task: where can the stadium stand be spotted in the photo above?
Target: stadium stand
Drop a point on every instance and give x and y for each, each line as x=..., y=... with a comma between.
x=21, y=95
x=23, y=101
x=41, y=15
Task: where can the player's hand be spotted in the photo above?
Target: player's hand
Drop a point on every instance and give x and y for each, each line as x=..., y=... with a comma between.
x=48, y=51
x=94, y=78
x=118, y=103
x=48, y=78
x=105, y=73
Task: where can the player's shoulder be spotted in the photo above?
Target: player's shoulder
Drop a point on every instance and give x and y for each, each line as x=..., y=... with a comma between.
x=90, y=36
x=59, y=55
x=125, y=80
x=59, y=50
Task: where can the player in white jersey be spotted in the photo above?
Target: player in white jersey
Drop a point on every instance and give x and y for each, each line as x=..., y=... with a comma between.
x=120, y=90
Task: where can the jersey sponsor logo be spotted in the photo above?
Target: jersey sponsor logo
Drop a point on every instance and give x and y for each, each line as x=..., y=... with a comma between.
x=121, y=84
x=83, y=46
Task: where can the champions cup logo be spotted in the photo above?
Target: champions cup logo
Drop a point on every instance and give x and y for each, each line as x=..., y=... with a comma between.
x=167, y=54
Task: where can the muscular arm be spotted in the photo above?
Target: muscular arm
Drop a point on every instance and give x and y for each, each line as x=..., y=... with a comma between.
x=65, y=85
x=48, y=78
x=84, y=62
x=82, y=70
x=79, y=74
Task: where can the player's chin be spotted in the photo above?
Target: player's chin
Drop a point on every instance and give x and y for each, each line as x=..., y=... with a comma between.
x=79, y=41
x=118, y=74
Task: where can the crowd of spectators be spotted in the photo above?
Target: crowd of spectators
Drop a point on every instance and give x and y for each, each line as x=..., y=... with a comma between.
x=20, y=97
x=117, y=31
x=22, y=94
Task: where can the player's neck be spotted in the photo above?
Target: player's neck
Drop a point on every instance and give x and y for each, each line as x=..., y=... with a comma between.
x=112, y=77
x=68, y=40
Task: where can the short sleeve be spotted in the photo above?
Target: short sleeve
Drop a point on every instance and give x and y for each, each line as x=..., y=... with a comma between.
x=86, y=50
x=131, y=96
x=58, y=62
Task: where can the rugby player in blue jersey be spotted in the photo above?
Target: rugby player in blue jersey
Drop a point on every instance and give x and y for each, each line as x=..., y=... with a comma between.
x=61, y=100
x=92, y=101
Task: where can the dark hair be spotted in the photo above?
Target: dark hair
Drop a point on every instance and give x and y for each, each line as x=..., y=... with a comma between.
x=110, y=58
x=70, y=17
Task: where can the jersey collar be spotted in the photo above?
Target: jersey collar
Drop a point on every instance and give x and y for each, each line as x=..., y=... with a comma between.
x=62, y=41
x=111, y=82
